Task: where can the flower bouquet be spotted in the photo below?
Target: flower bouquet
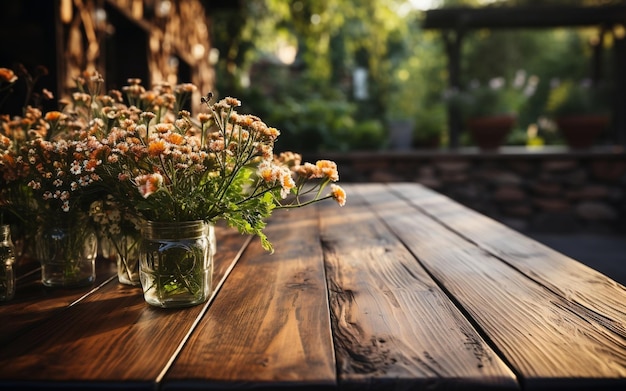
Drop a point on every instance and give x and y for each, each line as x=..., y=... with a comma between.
x=44, y=196
x=176, y=173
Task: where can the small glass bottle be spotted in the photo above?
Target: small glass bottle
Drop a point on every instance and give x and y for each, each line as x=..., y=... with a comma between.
x=7, y=259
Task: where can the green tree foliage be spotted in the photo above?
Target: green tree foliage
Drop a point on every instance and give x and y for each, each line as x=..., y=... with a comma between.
x=312, y=99
x=332, y=38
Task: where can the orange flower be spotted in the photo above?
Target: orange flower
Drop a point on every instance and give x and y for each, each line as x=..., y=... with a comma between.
x=309, y=171
x=7, y=75
x=148, y=184
x=5, y=141
x=272, y=133
x=245, y=120
x=204, y=117
x=338, y=194
x=286, y=182
x=91, y=164
x=329, y=169
x=8, y=159
x=157, y=147
x=163, y=127
x=52, y=116
x=234, y=102
x=175, y=138
x=149, y=96
x=267, y=174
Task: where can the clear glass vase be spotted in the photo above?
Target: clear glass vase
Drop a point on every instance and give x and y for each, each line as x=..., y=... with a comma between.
x=176, y=262
x=7, y=262
x=124, y=248
x=67, y=252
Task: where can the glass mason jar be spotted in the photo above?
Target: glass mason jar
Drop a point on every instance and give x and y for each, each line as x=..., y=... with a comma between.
x=176, y=262
x=105, y=247
x=125, y=248
x=67, y=252
x=7, y=259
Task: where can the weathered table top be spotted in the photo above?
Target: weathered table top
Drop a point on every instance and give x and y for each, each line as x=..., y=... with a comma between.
x=402, y=288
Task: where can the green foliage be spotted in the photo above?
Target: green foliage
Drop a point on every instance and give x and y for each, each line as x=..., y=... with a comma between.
x=517, y=137
x=430, y=126
x=332, y=38
x=407, y=67
x=550, y=54
x=577, y=98
x=315, y=123
x=497, y=97
x=368, y=134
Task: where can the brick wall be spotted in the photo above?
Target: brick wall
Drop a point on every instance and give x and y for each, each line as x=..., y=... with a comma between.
x=550, y=189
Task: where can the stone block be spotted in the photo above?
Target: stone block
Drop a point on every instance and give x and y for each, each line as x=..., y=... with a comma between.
x=509, y=194
x=453, y=166
x=559, y=165
x=596, y=211
x=522, y=167
x=576, y=177
x=426, y=171
x=610, y=171
x=589, y=192
x=454, y=177
x=546, y=188
x=552, y=204
x=501, y=177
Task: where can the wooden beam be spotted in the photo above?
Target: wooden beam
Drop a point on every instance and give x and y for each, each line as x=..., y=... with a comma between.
x=526, y=17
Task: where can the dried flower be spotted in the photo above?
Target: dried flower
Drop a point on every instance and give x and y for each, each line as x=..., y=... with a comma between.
x=7, y=76
x=151, y=158
x=338, y=194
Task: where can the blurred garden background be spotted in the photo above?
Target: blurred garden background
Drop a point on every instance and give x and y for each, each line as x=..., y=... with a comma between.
x=332, y=75
x=343, y=75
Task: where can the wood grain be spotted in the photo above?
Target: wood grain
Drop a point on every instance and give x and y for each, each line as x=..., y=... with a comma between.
x=595, y=295
x=546, y=340
x=33, y=302
x=393, y=326
x=111, y=336
x=402, y=288
x=269, y=326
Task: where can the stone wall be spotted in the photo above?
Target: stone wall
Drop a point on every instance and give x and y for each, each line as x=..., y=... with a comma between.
x=551, y=189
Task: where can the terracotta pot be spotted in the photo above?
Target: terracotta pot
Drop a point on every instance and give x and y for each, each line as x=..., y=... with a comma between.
x=580, y=131
x=490, y=132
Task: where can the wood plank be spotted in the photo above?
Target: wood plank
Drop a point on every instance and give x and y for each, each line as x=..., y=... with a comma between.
x=540, y=333
x=34, y=302
x=269, y=326
x=394, y=328
x=594, y=294
x=111, y=336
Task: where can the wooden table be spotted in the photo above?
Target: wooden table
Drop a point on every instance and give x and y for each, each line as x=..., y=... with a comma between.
x=402, y=288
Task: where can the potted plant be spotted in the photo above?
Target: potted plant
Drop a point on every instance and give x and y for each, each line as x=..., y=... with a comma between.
x=490, y=110
x=580, y=111
x=430, y=125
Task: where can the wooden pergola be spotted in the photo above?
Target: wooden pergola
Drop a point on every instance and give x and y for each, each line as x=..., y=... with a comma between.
x=455, y=23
